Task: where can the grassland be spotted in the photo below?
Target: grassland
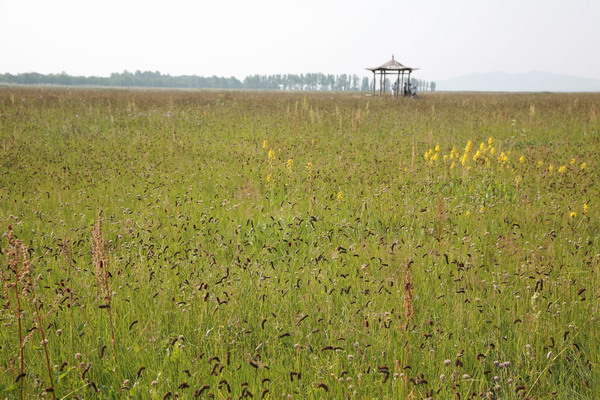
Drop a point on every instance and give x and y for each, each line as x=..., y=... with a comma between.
x=182, y=244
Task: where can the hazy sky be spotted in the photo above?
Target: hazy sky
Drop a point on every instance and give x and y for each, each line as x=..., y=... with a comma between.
x=445, y=38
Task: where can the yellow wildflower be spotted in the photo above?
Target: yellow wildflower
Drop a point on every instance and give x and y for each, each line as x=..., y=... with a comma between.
x=573, y=161
x=437, y=148
x=265, y=144
x=482, y=146
x=445, y=157
x=454, y=153
x=551, y=168
x=469, y=146
x=573, y=214
x=290, y=164
x=271, y=155
x=340, y=196
x=491, y=141
x=435, y=157
x=522, y=159
x=586, y=208
x=468, y=213
x=269, y=178
x=492, y=150
x=452, y=165
x=540, y=163
x=583, y=166
x=562, y=169
x=309, y=166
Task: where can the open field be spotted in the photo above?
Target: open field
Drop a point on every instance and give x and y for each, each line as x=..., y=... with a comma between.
x=182, y=244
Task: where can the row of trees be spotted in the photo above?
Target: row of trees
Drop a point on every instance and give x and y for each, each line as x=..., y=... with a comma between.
x=313, y=81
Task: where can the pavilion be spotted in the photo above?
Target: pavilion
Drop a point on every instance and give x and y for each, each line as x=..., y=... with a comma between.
x=391, y=67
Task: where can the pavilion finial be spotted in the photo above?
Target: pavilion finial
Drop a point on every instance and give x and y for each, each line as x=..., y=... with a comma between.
x=392, y=57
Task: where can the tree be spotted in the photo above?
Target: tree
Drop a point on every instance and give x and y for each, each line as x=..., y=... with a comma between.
x=311, y=81
x=365, y=86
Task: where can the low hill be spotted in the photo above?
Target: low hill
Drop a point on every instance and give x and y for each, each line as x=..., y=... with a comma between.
x=534, y=81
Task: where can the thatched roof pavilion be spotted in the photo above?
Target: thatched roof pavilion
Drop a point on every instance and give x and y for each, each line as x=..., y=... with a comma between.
x=391, y=67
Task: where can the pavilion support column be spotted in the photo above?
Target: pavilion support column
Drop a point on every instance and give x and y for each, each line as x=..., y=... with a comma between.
x=402, y=84
x=374, y=82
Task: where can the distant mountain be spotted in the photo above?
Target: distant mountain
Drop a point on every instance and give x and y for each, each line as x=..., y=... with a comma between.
x=534, y=81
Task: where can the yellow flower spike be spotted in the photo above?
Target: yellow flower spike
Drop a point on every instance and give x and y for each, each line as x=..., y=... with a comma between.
x=464, y=159
x=562, y=169
x=522, y=159
x=573, y=161
x=492, y=150
x=426, y=155
x=469, y=146
x=467, y=213
x=340, y=196
x=482, y=146
x=437, y=148
x=265, y=144
x=269, y=178
x=586, y=208
x=290, y=164
x=540, y=163
x=309, y=166
x=551, y=168
x=583, y=166
x=445, y=157
x=453, y=165
x=491, y=141
x=573, y=214
x=482, y=209
x=435, y=157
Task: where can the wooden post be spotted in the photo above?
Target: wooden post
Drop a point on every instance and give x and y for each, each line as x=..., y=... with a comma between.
x=402, y=85
x=374, y=82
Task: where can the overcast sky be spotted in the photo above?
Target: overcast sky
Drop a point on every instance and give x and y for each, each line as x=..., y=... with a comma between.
x=237, y=38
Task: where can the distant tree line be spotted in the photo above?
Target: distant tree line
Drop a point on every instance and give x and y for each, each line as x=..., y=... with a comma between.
x=311, y=81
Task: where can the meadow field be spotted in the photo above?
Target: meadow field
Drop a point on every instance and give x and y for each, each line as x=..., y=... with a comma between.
x=230, y=245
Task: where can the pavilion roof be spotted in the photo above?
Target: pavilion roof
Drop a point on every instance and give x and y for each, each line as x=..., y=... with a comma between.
x=392, y=65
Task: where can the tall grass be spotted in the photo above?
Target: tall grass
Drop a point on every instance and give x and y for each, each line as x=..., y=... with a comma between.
x=279, y=245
